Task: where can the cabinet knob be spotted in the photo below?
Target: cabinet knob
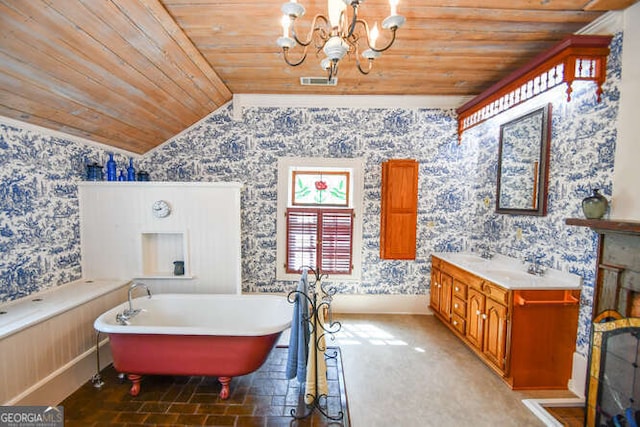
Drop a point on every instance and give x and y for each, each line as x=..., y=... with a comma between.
x=478, y=312
x=484, y=316
x=455, y=323
x=455, y=305
x=457, y=289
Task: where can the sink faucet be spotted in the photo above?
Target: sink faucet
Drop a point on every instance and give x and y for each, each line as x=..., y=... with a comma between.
x=535, y=267
x=485, y=252
x=130, y=312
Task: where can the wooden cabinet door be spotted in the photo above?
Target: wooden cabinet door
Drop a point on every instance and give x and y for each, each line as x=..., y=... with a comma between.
x=434, y=292
x=475, y=321
x=399, y=209
x=495, y=335
x=446, y=283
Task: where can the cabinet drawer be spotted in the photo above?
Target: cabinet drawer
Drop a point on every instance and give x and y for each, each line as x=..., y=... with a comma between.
x=459, y=289
x=458, y=323
x=459, y=307
x=496, y=293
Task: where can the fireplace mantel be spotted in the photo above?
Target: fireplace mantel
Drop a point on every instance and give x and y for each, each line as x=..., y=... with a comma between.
x=617, y=284
x=604, y=226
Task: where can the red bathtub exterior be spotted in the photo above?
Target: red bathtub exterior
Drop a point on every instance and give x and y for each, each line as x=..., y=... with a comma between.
x=216, y=356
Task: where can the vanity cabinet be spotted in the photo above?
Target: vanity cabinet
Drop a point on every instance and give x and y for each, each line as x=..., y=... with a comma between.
x=399, y=209
x=527, y=336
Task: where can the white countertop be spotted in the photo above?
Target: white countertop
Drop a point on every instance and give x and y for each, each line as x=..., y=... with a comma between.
x=510, y=273
x=40, y=306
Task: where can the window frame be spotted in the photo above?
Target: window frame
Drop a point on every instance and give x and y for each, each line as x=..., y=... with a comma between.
x=285, y=166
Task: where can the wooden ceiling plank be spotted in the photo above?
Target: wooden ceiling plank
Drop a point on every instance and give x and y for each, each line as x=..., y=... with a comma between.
x=316, y=5
x=87, y=124
x=133, y=146
x=24, y=77
x=153, y=42
x=229, y=20
x=68, y=65
x=116, y=30
x=78, y=116
x=274, y=60
x=145, y=127
x=177, y=33
x=113, y=51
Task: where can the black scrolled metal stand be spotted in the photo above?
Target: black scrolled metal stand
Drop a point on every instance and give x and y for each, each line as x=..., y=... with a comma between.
x=327, y=331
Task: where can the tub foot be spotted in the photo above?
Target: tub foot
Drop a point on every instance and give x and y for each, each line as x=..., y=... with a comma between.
x=135, y=386
x=224, y=393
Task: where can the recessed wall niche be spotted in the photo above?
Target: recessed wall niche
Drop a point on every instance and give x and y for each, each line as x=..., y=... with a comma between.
x=160, y=250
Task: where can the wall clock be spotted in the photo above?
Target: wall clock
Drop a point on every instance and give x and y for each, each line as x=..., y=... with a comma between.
x=161, y=209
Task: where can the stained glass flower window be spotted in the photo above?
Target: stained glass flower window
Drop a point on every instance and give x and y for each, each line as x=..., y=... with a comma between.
x=320, y=188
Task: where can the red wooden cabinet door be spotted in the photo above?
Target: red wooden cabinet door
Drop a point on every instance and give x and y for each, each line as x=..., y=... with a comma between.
x=399, y=209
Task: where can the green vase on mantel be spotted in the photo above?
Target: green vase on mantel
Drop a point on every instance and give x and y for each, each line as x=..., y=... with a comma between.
x=594, y=206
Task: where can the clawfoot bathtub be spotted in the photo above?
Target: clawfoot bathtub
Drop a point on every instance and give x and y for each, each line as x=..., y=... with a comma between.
x=196, y=334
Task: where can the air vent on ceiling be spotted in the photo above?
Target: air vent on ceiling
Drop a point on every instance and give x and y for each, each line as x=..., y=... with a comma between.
x=318, y=81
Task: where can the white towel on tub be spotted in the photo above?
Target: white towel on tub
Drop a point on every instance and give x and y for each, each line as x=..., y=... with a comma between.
x=316, y=365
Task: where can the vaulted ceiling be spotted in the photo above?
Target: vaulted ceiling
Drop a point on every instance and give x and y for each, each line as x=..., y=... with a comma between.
x=133, y=73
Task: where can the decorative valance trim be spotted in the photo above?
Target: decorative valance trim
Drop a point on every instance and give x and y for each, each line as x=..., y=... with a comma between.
x=577, y=57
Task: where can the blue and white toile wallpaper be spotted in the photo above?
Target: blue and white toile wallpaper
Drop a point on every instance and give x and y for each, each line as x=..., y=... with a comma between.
x=39, y=217
x=39, y=224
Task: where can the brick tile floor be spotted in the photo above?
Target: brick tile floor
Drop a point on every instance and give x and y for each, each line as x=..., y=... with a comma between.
x=263, y=398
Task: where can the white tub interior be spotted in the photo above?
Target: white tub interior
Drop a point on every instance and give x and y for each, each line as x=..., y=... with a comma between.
x=202, y=314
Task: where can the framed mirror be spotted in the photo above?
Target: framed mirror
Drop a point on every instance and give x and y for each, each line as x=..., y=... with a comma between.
x=523, y=158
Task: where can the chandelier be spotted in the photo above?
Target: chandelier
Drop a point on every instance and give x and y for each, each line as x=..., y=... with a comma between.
x=337, y=35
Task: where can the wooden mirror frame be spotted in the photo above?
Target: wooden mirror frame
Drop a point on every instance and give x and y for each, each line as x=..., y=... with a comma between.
x=541, y=173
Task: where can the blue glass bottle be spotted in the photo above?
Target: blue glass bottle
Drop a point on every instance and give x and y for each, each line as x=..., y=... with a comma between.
x=121, y=177
x=111, y=168
x=131, y=172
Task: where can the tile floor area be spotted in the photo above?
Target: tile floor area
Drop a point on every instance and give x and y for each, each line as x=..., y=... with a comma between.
x=263, y=398
x=399, y=370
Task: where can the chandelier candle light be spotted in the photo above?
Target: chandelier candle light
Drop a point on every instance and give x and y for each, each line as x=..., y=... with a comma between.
x=337, y=35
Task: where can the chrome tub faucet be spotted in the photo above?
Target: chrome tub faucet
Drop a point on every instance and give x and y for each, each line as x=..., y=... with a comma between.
x=123, y=318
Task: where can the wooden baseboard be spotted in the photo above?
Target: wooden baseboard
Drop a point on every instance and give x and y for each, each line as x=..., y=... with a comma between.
x=57, y=386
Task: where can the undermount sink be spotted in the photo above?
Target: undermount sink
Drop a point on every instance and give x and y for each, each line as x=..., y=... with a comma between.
x=508, y=275
x=467, y=257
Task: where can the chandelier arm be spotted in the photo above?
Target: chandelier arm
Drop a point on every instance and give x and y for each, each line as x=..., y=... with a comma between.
x=314, y=28
x=285, y=50
x=354, y=20
x=363, y=71
x=393, y=39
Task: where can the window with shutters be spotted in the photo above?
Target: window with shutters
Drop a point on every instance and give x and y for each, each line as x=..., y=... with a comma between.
x=319, y=238
x=319, y=217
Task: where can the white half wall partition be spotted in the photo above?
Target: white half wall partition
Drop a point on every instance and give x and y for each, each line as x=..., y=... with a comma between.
x=176, y=237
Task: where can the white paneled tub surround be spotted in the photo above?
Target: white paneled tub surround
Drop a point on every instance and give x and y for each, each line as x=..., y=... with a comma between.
x=122, y=237
x=48, y=343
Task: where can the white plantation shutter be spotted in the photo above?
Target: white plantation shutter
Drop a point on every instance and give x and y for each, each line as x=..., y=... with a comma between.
x=319, y=237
